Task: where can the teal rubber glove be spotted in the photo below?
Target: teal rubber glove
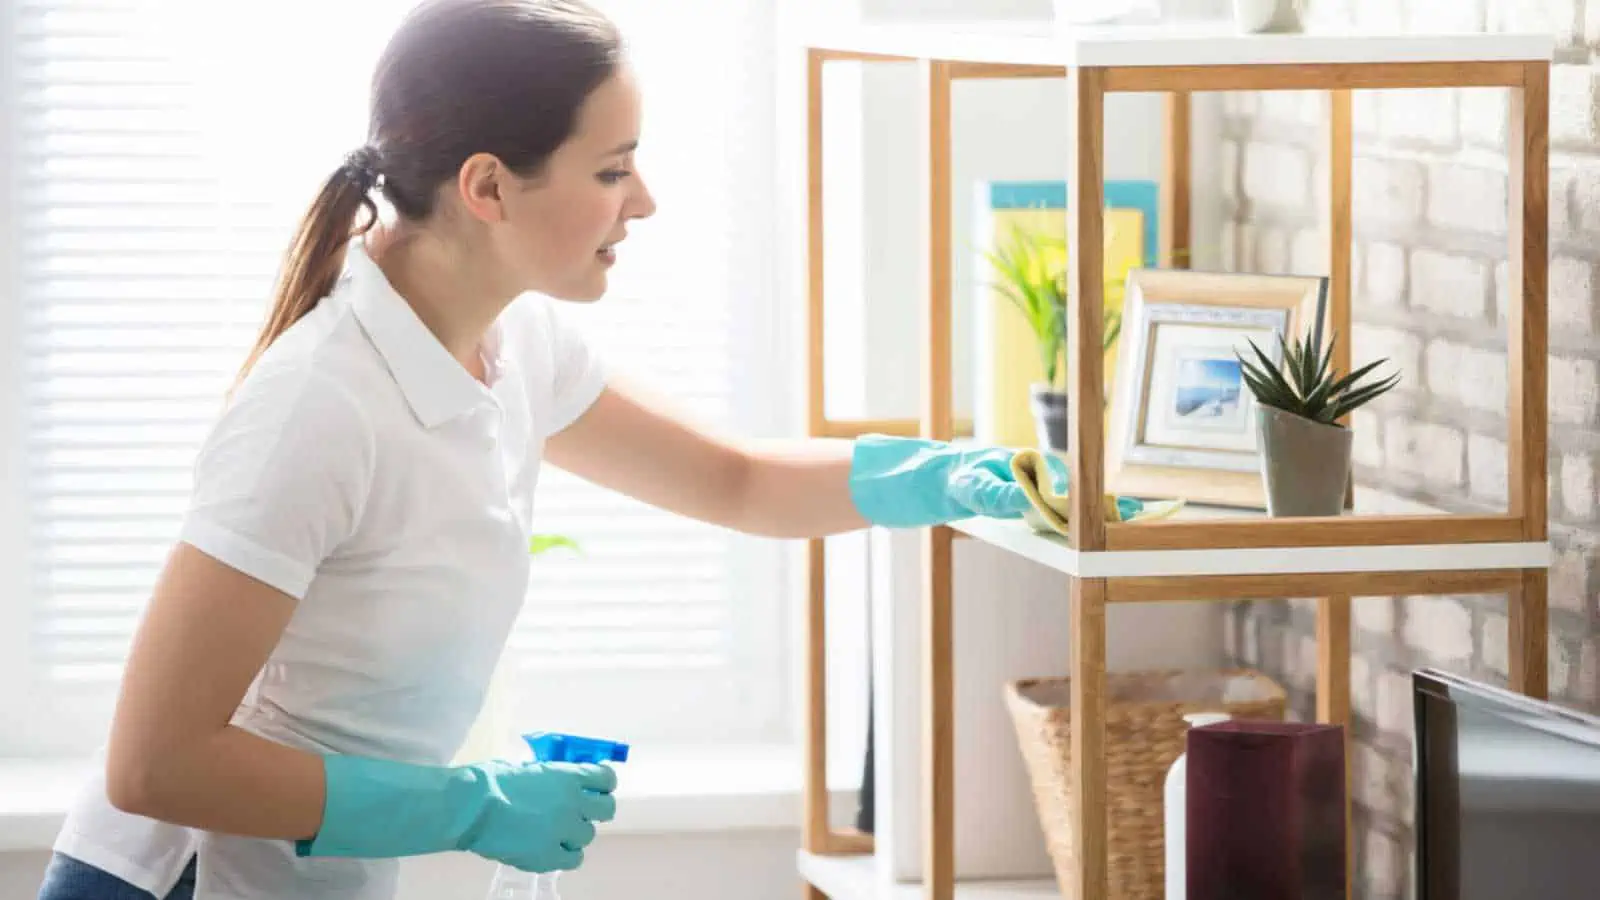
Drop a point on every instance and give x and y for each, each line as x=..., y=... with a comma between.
x=908, y=482
x=538, y=817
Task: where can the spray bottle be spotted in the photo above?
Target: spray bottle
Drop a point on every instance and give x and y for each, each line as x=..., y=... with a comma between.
x=511, y=883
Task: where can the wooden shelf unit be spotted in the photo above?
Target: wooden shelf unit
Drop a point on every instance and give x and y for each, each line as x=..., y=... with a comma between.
x=1241, y=556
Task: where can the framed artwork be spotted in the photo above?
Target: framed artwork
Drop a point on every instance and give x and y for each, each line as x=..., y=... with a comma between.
x=1005, y=359
x=1183, y=423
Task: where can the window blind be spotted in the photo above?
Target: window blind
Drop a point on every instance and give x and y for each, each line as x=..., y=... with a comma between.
x=141, y=280
x=153, y=203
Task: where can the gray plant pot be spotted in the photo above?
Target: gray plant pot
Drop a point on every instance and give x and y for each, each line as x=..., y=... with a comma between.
x=1050, y=423
x=1305, y=465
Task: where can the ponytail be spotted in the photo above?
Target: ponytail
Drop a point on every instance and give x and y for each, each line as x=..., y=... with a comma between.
x=316, y=255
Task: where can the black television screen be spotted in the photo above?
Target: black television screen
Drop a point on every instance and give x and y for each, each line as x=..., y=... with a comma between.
x=1507, y=794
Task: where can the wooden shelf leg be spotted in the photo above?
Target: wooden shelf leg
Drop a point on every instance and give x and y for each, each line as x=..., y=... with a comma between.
x=1176, y=192
x=1528, y=633
x=1086, y=462
x=815, y=835
x=938, y=789
x=1086, y=306
x=1340, y=152
x=1333, y=702
x=816, y=794
x=938, y=779
x=1528, y=341
x=1333, y=613
x=1088, y=737
x=1528, y=277
x=816, y=402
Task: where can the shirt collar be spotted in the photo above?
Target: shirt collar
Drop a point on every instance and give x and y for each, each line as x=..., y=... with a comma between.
x=436, y=386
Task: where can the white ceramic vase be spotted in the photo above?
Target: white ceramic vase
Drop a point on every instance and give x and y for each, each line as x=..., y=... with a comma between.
x=1269, y=16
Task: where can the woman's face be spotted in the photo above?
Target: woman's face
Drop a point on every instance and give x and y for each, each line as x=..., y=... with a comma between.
x=560, y=227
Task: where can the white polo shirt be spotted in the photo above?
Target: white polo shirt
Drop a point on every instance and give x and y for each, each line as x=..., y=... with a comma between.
x=362, y=470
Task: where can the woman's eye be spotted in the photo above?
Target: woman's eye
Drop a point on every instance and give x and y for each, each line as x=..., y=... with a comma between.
x=612, y=176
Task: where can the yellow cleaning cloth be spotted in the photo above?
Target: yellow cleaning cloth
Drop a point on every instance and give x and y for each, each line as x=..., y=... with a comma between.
x=1051, y=509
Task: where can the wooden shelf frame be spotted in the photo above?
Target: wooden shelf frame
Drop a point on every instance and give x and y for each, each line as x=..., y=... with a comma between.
x=1526, y=519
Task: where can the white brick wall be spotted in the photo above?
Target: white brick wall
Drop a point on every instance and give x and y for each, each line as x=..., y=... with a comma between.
x=1495, y=646
x=1440, y=628
x=1366, y=446
x=1586, y=680
x=1571, y=574
x=1401, y=348
x=1586, y=197
x=1467, y=198
x=1487, y=462
x=1450, y=284
x=1387, y=192
x=1572, y=390
x=1430, y=194
x=1572, y=306
x=1577, y=486
x=1425, y=117
x=1473, y=377
x=1484, y=116
x=1374, y=614
x=1277, y=175
x=1591, y=25
x=1573, y=95
x=1385, y=269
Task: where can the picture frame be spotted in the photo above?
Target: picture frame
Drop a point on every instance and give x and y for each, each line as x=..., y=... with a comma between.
x=1182, y=422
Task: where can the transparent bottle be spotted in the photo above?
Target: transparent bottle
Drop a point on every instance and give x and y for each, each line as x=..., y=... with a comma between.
x=1175, y=811
x=512, y=883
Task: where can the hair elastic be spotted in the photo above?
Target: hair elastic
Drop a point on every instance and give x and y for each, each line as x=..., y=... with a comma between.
x=361, y=167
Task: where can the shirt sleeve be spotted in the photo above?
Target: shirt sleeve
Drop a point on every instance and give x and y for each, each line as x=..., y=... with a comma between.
x=281, y=479
x=577, y=371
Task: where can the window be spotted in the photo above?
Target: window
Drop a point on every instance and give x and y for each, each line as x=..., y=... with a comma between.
x=157, y=154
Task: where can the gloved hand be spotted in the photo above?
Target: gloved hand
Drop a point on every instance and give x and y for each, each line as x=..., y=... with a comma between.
x=537, y=817
x=909, y=482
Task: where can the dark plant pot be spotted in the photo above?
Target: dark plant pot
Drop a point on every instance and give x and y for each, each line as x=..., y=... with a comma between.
x=1050, y=424
x=1305, y=465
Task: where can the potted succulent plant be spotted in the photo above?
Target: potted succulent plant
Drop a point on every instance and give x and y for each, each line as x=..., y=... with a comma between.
x=1031, y=272
x=1305, y=450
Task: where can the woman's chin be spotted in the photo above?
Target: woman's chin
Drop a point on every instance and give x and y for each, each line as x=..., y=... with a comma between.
x=587, y=291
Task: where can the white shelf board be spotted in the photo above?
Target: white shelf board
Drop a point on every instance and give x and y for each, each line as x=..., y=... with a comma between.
x=1052, y=550
x=1204, y=42
x=858, y=878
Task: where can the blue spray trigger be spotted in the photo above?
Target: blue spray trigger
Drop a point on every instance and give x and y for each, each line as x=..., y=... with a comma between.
x=553, y=746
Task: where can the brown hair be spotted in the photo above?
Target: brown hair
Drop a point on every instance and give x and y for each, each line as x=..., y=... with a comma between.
x=459, y=77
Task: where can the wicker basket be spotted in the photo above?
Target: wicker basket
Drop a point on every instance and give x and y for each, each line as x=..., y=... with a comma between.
x=1144, y=734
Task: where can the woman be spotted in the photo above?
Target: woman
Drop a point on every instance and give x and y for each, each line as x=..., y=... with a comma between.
x=354, y=552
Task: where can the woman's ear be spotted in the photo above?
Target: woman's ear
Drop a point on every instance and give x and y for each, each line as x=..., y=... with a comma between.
x=482, y=182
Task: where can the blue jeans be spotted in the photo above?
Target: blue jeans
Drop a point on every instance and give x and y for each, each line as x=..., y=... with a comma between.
x=69, y=879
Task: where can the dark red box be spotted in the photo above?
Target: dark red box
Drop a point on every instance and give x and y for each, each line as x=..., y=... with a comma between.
x=1266, y=811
